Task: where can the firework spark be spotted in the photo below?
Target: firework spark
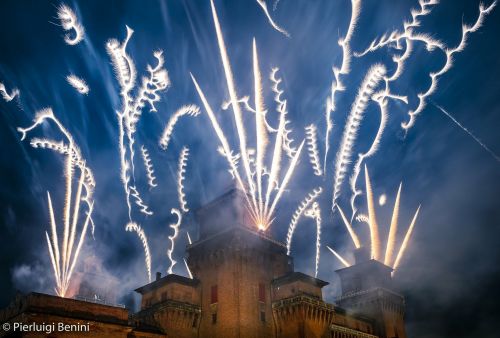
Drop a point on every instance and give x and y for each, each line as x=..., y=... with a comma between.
x=304, y=205
x=478, y=141
x=348, y=225
x=339, y=257
x=132, y=226
x=188, y=110
x=372, y=78
x=345, y=68
x=69, y=22
x=409, y=36
x=263, y=4
x=405, y=241
x=171, y=238
x=312, y=149
x=261, y=207
x=148, y=165
x=315, y=213
x=62, y=251
x=6, y=96
x=181, y=176
x=79, y=84
x=393, y=229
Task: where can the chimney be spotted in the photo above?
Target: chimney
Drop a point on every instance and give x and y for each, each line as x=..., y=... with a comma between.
x=158, y=275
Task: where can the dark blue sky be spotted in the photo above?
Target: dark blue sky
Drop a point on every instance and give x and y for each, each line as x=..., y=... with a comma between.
x=450, y=272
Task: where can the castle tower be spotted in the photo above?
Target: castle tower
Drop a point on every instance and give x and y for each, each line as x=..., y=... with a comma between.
x=367, y=290
x=236, y=265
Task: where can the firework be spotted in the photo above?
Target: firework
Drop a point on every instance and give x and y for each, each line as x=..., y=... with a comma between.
x=372, y=78
x=181, y=176
x=312, y=149
x=393, y=229
x=175, y=227
x=306, y=202
x=348, y=225
x=6, y=96
x=188, y=110
x=69, y=22
x=339, y=257
x=62, y=251
x=79, y=84
x=261, y=206
x=148, y=165
x=262, y=3
x=315, y=213
x=132, y=226
x=345, y=68
x=405, y=241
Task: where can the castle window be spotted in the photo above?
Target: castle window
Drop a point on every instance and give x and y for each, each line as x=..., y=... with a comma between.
x=214, y=318
x=214, y=297
x=263, y=316
x=262, y=293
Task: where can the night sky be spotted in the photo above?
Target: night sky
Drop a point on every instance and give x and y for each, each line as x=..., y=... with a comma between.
x=450, y=274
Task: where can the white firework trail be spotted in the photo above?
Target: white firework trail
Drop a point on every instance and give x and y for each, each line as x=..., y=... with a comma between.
x=304, y=205
x=188, y=269
x=348, y=225
x=478, y=141
x=263, y=4
x=393, y=230
x=62, y=251
x=315, y=213
x=6, y=96
x=175, y=228
x=188, y=110
x=367, y=88
x=261, y=208
x=405, y=241
x=148, y=165
x=132, y=226
x=312, y=149
x=372, y=217
x=339, y=257
x=189, y=238
x=79, y=84
x=345, y=68
x=409, y=36
x=382, y=103
x=181, y=176
x=69, y=21
x=130, y=113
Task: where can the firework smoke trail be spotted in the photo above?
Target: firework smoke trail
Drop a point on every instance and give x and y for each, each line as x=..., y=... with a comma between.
x=315, y=213
x=495, y=156
x=382, y=103
x=339, y=257
x=304, y=205
x=234, y=103
x=188, y=110
x=405, y=241
x=132, y=226
x=312, y=149
x=175, y=227
x=348, y=225
x=69, y=22
x=79, y=84
x=372, y=78
x=181, y=176
x=6, y=96
x=393, y=230
x=148, y=165
x=62, y=254
x=345, y=68
x=262, y=3
x=372, y=217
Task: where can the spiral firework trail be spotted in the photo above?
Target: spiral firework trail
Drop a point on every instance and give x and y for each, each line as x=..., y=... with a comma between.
x=69, y=22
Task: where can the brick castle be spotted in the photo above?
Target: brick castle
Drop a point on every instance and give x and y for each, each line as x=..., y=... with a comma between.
x=243, y=286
